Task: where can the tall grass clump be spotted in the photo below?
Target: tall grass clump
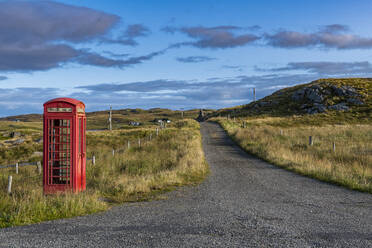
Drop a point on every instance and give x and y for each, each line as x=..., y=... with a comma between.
x=350, y=164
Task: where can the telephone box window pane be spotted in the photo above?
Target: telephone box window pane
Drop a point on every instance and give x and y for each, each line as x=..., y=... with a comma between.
x=59, y=151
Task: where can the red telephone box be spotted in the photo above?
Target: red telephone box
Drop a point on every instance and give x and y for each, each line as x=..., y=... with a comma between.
x=64, y=146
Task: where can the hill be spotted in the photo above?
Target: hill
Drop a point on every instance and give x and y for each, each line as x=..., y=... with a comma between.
x=120, y=118
x=331, y=100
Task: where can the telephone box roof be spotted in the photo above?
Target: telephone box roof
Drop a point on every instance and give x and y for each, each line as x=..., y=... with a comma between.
x=65, y=99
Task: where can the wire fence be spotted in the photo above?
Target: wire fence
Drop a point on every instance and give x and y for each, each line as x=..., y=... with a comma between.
x=139, y=142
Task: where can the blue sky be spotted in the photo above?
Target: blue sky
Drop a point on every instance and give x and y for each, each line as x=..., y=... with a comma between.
x=174, y=54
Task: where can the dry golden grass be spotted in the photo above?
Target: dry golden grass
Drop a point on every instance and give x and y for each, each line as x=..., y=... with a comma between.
x=349, y=165
x=173, y=158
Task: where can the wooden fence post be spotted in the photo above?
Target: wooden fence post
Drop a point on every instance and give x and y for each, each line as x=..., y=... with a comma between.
x=157, y=131
x=10, y=179
x=113, y=152
x=150, y=136
x=110, y=119
x=334, y=147
x=128, y=144
x=17, y=168
x=139, y=142
x=94, y=160
x=39, y=167
x=281, y=131
x=311, y=141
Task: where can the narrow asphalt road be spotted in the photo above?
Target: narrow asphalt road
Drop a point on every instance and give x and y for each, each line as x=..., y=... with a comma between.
x=245, y=202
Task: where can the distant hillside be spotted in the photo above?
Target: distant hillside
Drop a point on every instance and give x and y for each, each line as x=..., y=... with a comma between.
x=120, y=118
x=349, y=99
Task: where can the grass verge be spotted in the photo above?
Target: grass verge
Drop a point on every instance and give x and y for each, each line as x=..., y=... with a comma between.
x=174, y=158
x=287, y=146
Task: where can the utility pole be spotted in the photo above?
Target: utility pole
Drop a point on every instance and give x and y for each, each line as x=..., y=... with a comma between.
x=110, y=119
x=254, y=94
x=182, y=112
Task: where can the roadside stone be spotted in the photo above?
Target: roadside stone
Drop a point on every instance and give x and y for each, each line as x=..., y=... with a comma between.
x=15, y=134
x=15, y=142
x=37, y=154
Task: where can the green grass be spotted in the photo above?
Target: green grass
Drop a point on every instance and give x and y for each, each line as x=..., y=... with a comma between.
x=174, y=158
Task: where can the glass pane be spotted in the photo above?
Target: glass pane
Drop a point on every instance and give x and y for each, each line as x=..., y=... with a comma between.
x=59, y=151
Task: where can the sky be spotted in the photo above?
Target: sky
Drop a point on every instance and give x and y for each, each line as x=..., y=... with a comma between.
x=174, y=54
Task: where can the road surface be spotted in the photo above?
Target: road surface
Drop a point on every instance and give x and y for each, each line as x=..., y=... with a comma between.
x=245, y=202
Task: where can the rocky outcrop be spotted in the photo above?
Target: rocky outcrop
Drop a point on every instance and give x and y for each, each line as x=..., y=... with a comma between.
x=314, y=98
x=312, y=94
x=345, y=91
x=314, y=108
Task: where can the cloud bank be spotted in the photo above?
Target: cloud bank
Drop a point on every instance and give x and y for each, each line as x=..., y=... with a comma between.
x=213, y=37
x=330, y=36
x=42, y=35
x=194, y=59
x=326, y=68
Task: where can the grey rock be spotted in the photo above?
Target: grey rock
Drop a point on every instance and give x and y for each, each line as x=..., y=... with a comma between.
x=19, y=141
x=6, y=134
x=345, y=91
x=37, y=154
x=355, y=101
x=320, y=107
x=312, y=111
x=316, y=87
x=339, y=107
x=298, y=95
x=316, y=108
x=15, y=134
x=262, y=104
x=314, y=96
x=15, y=142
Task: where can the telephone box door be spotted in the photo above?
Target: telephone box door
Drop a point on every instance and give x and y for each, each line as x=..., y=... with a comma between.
x=59, y=152
x=82, y=151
